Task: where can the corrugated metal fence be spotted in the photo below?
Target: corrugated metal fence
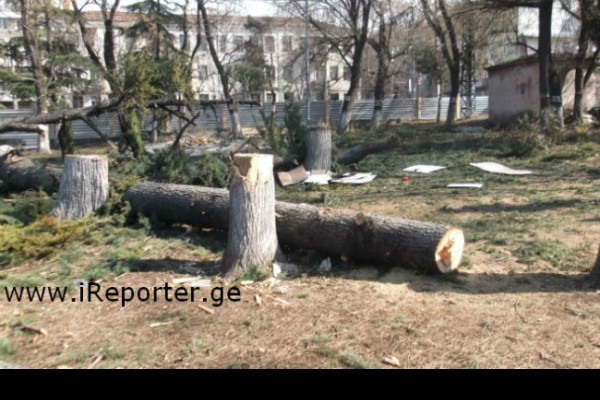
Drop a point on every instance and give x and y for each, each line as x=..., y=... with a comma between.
x=217, y=117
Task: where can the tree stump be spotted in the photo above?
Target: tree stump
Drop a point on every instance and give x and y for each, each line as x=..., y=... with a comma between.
x=83, y=187
x=252, y=236
x=318, y=149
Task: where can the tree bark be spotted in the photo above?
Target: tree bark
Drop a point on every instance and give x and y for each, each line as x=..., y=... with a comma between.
x=544, y=54
x=19, y=174
x=594, y=277
x=357, y=153
x=318, y=149
x=252, y=239
x=373, y=239
x=83, y=188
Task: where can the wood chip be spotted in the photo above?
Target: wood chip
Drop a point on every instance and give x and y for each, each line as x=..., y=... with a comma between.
x=257, y=299
x=391, y=360
x=206, y=309
x=31, y=329
x=158, y=324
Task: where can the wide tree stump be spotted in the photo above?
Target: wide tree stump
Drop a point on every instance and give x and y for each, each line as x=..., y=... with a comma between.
x=372, y=239
x=83, y=187
x=252, y=236
x=318, y=149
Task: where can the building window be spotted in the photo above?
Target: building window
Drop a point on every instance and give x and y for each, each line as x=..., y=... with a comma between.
x=334, y=73
x=269, y=44
x=255, y=97
x=93, y=75
x=286, y=44
x=346, y=73
x=334, y=97
x=222, y=43
x=288, y=96
x=204, y=97
x=3, y=23
x=203, y=72
x=77, y=101
x=95, y=101
x=238, y=43
x=270, y=98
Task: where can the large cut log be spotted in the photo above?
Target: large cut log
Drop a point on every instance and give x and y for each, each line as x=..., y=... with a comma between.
x=19, y=174
x=83, y=188
x=373, y=239
x=358, y=152
x=252, y=239
x=318, y=149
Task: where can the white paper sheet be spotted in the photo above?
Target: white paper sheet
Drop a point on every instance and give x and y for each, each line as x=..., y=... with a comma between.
x=496, y=168
x=424, y=169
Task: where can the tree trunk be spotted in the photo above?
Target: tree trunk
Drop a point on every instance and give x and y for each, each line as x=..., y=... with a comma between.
x=19, y=174
x=65, y=138
x=372, y=239
x=578, y=101
x=83, y=188
x=252, y=239
x=544, y=53
x=594, y=276
x=357, y=153
x=454, y=90
x=236, y=126
x=318, y=149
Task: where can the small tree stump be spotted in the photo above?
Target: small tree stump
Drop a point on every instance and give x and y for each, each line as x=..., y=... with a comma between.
x=83, y=187
x=318, y=149
x=252, y=237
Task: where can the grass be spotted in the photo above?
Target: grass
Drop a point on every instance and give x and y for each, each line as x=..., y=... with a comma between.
x=7, y=349
x=547, y=221
x=558, y=255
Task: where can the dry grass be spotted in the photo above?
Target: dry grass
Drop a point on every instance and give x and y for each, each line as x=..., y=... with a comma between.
x=519, y=301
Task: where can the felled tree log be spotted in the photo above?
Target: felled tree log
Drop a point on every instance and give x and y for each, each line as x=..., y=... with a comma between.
x=83, y=187
x=373, y=239
x=357, y=153
x=19, y=174
x=252, y=239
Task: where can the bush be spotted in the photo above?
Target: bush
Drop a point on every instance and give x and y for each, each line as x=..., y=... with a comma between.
x=523, y=138
x=179, y=167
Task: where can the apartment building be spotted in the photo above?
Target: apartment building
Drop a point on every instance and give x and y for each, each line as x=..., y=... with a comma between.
x=281, y=40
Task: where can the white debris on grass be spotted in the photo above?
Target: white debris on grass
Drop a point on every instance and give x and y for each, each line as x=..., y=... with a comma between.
x=356, y=179
x=465, y=185
x=496, y=168
x=424, y=169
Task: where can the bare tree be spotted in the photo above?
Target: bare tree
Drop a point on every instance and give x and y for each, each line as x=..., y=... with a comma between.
x=223, y=70
x=585, y=65
x=345, y=25
x=443, y=25
x=388, y=16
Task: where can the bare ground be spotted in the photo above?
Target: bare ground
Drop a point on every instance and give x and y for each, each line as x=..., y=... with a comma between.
x=520, y=299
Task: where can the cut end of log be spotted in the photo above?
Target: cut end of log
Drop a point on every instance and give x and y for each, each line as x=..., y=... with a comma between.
x=448, y=253
x=252, y=168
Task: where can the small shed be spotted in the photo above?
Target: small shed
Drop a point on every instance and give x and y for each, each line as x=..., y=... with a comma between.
x=513, y=87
